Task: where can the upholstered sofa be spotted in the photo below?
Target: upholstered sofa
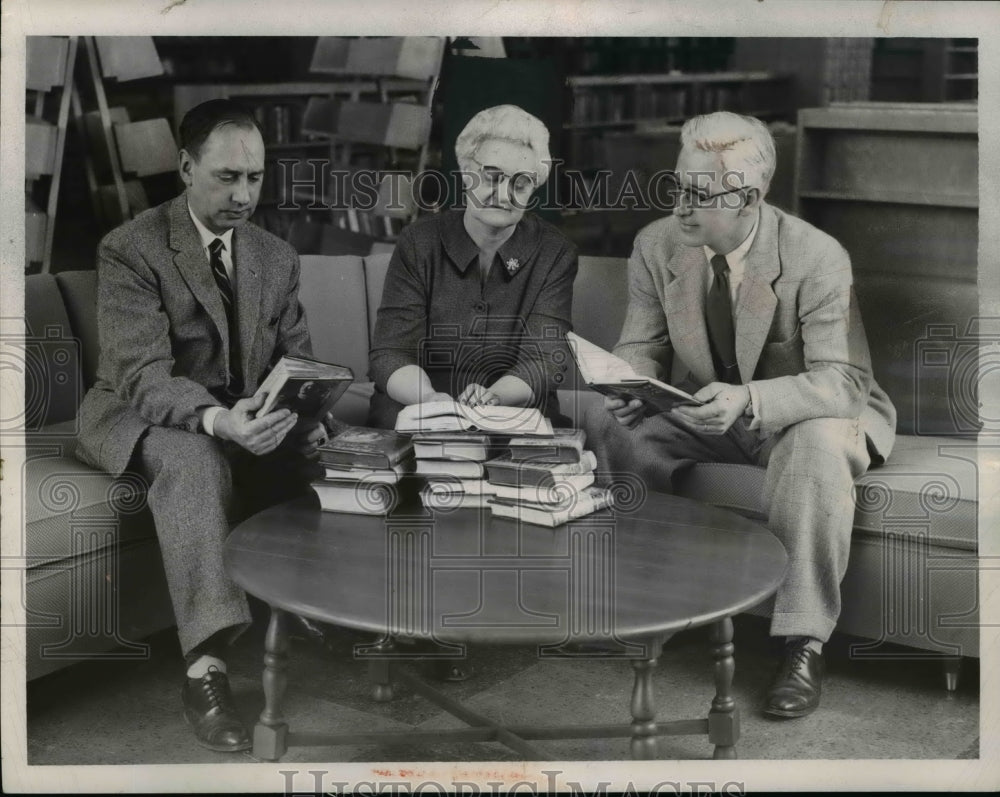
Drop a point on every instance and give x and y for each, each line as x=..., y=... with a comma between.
x=95, y=584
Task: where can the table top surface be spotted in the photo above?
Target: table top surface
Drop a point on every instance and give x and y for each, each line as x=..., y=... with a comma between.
x=666, y=564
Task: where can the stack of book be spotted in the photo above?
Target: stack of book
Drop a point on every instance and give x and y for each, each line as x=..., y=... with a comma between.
x=547, y=480
x=363, y=469
x=452, y=464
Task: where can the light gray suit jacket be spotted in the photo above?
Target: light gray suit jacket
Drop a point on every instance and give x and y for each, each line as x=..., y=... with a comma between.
x=163, y=332
x=799, y=335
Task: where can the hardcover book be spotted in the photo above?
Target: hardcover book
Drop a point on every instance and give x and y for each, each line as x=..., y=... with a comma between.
x=344, y=473
x=589, y=500
x=611, y=375
x=565, y=445
x=361, y=498
x=562, y=491
x=362, y=446
x=451, y=416
x=451, y=445
x=307, y=387
x=504, y=470
x=457, y=468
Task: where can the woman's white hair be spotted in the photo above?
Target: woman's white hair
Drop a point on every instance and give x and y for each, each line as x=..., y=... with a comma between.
x=743, y=143
x=505, y=123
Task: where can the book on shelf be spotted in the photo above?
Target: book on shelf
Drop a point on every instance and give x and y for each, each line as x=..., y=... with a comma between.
x=457, y=468
x=345, y=473
x=562, y=490
x=363, y=446
x=356, y=498
x=504, y=470
x=589, y=500
x=451, y=416
x=307, y=387
x=451, y=445
x=611, y=375
x=565, y=445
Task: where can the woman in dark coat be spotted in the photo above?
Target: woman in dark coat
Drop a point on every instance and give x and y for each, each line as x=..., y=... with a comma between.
x=477, y=300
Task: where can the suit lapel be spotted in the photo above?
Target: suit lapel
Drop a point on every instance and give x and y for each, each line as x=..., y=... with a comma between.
x=247, y=267
x=192, y=263
x=757, y=301
x=684, y=306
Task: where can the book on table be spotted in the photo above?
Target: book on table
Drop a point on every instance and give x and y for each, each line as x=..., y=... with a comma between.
x=563, y=490
x=452, y=445
x=346, y=473
x=307, y=387
x=586, y=502
x=448, y=500
x=356, y=497
x=504, y=470
x=363, y=446
x=454, y=484
x=565, y=445
x=609, y=374
x=456, y=468
x=451, y=416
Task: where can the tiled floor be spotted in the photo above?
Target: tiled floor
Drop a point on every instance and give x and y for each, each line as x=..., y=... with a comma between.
x=129, y=713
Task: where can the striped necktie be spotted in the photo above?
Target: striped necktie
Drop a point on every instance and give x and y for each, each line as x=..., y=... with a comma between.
x=719, y=317
x=235, y=387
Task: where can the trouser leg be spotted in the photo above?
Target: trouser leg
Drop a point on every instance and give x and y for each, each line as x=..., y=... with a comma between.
x=190, y=497
x=809, y=498
x=659, y=448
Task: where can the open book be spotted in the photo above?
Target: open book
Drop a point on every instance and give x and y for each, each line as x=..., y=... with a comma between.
x=611, y=375
x=450, y=416
x=307, y=387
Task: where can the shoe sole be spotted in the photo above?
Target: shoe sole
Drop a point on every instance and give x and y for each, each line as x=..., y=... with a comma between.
x=785, y=714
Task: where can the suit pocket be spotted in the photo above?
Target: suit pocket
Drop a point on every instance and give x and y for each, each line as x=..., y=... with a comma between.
x=782, y=357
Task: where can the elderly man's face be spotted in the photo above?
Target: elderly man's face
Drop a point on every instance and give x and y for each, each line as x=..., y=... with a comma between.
x=712, y=206
x=502, y=181
x=223, y=183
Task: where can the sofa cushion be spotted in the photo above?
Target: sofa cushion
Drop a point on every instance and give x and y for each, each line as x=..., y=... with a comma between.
x=50, y=358
x=79, y=292
x=927, y=488
x=71, y=509
x=332, y=291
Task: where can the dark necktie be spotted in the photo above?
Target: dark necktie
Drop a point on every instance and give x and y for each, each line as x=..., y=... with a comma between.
x=215, y=248
x=719, y=316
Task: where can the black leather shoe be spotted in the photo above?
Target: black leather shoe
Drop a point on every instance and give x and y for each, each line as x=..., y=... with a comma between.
x=798, y=684
x=208, y=707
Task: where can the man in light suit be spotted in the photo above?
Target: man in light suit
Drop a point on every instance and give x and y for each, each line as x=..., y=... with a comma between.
x=759, y=307
x=194, y=307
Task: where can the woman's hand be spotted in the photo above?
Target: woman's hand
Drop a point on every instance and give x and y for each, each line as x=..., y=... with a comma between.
x=476, y=395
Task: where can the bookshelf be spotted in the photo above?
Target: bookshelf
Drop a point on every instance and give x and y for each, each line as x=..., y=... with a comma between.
x=365, y=105
x=621, y=103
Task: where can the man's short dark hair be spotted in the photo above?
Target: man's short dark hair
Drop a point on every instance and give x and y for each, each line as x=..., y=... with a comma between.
x=198, y=123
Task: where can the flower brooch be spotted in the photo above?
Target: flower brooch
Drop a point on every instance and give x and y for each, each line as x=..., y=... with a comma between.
x=512, y=264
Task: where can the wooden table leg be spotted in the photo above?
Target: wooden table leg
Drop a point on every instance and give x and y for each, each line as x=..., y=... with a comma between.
x=271, y=731
x=724, y=717
x=643, y=744
x=380, y=670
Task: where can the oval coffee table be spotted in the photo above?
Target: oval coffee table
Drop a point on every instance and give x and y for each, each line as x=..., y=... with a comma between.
x=615, y=583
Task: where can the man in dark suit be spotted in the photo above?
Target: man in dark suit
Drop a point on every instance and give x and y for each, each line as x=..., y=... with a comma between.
x=758, y=306
x=194, y=307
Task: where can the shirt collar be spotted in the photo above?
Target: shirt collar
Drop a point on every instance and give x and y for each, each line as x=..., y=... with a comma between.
x=207, y=236
x=737, y=258
x=515, y=252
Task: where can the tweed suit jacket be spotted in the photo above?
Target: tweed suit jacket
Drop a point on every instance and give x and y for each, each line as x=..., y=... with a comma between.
x=799, y=335
x=163, y=332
